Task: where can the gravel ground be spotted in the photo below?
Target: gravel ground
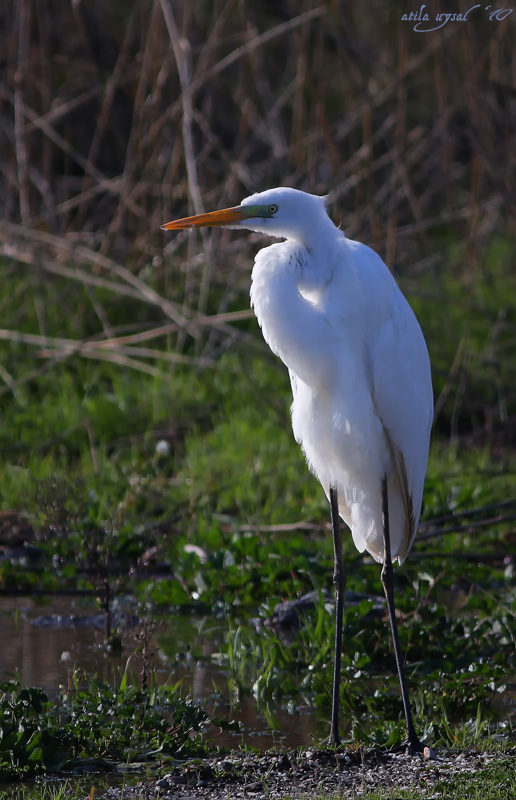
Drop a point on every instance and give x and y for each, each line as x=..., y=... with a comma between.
x=305, y=775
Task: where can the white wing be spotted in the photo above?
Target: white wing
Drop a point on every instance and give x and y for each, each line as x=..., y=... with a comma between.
x=402, y=394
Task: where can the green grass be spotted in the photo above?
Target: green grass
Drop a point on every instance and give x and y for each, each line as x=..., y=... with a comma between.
x=48, y=791
x=77, y=788
x=494, y=782
x=80, y=466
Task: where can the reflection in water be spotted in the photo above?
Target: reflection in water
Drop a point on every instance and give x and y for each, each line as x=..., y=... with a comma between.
x=36, y=654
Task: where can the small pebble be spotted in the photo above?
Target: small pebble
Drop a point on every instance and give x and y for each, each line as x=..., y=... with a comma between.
x=429, y=753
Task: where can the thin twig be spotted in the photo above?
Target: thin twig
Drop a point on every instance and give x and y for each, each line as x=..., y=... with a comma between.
x=19, y=83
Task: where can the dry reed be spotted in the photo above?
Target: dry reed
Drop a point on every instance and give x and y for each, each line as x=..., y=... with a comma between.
x=116, y=117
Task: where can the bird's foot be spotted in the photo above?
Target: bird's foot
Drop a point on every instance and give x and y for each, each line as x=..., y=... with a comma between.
x=411, y=745
x=334, y=742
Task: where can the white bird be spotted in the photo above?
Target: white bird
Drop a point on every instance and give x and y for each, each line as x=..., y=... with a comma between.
x=361, y=383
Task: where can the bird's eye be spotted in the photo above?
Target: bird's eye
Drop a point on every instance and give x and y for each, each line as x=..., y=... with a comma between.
x=272, y=209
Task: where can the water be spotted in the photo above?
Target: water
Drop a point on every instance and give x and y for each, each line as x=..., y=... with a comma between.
x=185, y=648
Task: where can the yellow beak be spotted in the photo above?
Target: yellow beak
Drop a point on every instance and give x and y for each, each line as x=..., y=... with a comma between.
x=228, y=216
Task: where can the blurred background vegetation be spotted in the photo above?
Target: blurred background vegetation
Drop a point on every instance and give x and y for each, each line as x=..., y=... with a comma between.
x=116, y=117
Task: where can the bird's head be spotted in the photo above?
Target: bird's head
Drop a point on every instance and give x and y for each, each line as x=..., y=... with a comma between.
x=284, y=213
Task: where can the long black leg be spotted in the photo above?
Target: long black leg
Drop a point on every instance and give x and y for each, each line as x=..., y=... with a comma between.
x=339, y=582
x=413, y=743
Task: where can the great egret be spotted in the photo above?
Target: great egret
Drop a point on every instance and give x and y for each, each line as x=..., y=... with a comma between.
x=360, y=373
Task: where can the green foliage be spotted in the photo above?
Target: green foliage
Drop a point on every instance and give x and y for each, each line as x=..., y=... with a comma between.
x=457, y=671
x=25, y=744
x=492, y=783
x=95, y=725
x=214, y=510
x=98, y=503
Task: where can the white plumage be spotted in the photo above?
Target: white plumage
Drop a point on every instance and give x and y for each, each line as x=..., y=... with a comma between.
x=358, y=364
x=361, y=383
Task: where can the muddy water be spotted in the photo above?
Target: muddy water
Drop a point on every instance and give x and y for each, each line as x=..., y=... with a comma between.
x=43, y=652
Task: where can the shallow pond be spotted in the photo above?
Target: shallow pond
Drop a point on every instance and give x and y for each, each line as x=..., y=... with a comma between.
x=45, y=640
